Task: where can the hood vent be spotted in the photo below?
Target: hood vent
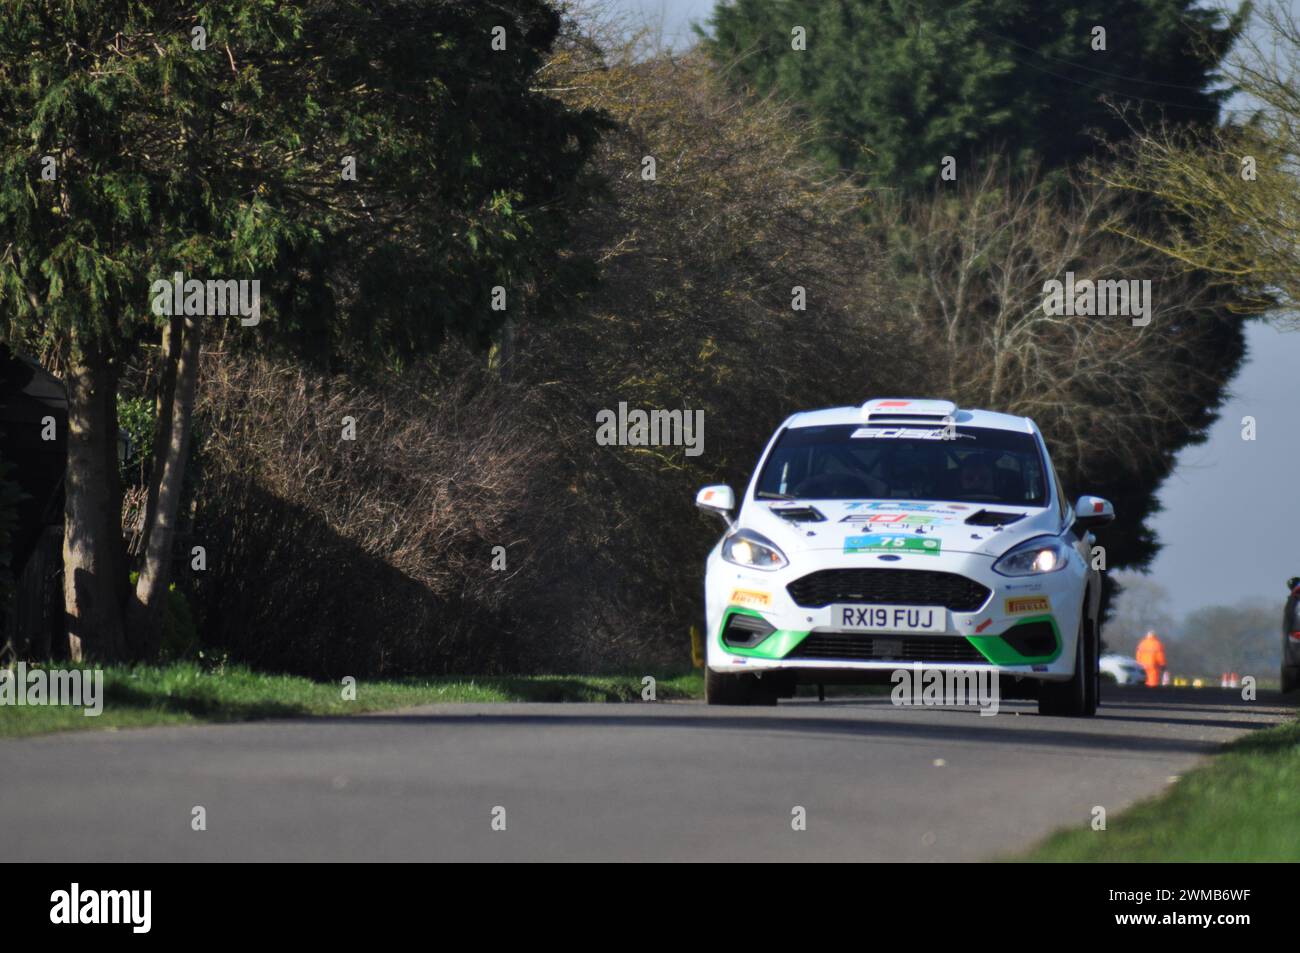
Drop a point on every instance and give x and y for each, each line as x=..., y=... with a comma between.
x=993, y=518
x=799, y=514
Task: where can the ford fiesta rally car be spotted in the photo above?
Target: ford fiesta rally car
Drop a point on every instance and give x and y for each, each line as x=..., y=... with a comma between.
x=899, y=532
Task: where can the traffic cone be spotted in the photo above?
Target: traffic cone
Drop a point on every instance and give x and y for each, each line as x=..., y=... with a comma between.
x=1223, y=680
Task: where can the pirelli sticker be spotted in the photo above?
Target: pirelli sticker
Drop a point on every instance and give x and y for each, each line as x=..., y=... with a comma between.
x=753, y=598
x=1023, y=604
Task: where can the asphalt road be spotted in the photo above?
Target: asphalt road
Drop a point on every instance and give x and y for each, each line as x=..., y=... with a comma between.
x=652, y=781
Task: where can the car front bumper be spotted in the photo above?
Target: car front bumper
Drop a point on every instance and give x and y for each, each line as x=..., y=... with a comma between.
x=1027, y=626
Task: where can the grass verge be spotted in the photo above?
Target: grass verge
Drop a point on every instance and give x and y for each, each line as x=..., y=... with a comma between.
x=1242, y=806
x=185, y=693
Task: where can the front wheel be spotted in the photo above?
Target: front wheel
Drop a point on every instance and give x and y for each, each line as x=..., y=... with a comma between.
x=1078, y=697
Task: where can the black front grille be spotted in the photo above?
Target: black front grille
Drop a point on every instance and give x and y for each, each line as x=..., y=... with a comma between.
x=861, y=647
x=896, y=587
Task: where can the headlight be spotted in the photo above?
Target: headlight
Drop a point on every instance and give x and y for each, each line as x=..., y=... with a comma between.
x=753, y=551
x=1034, y=557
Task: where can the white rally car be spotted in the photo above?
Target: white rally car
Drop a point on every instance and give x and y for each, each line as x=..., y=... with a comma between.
x=904, y=531
x=1122, y=669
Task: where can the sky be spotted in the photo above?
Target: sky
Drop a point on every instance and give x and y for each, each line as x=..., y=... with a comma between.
x=1230, y=523
x=674, y=17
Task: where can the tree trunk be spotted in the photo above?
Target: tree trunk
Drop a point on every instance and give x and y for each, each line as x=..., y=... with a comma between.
x=114, y=538
x=146, y=615
x=501, y=355
x=163, y=406
x=91, y=590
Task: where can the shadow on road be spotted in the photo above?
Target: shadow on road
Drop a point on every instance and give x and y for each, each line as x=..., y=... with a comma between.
x=975, y=729
x=1113, y=714
x=1028, y=730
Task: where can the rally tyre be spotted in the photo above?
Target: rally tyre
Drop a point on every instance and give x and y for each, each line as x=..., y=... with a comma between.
x=1078, y=697
x=737, y=689
x=1290, y=679
x=1096, y=669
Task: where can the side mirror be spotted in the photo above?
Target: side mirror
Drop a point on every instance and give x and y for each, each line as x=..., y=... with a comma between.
x=718, y=499
x=1091, y=512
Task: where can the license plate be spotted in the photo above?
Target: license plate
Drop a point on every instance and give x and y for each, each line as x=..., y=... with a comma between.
x=890, y=618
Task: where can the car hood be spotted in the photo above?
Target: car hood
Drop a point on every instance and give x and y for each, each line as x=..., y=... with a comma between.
x=898, y=526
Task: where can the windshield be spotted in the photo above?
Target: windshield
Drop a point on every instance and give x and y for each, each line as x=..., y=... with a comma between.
x=854, y=462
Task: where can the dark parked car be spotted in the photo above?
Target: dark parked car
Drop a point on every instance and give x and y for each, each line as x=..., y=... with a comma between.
x=1291, y=637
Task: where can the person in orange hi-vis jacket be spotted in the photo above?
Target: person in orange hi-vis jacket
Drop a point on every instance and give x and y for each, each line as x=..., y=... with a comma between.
x=1151, y=656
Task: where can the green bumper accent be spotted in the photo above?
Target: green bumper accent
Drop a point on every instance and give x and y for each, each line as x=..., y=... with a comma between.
x=783, y=641
x=777, y=645
x=998, y=651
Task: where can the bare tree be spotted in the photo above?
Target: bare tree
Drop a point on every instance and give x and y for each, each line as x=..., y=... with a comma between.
x=1235, y=194
x=976, y=266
